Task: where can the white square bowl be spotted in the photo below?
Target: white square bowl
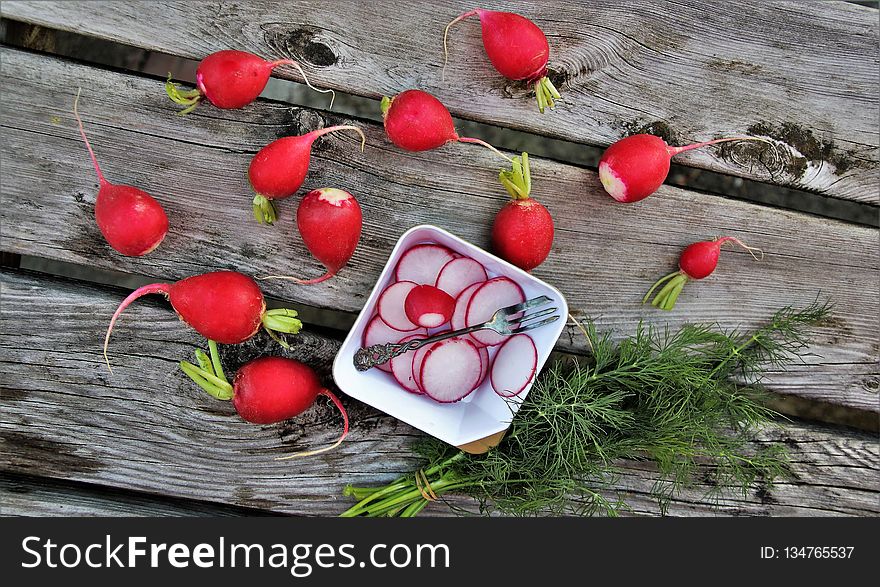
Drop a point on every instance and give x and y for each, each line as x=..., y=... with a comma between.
x=483, y=412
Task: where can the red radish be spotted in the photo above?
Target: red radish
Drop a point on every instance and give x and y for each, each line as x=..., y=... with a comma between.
x=230, y=79
x=329, y=221
x=390, y=306
x=417, y=360
x=517, y=48
x=450, y=370
x=634, y=167
x=522, y=233
x=266, y=390
x=402, y=366
x=697, y=261
x=223, y=306
x=491, y=296
x=422, y=263
x=279, y=169
x=429, y=306
x=131, y=220
x=378, y=332
x=417, y=121
x=515, y=365
x=460, y=273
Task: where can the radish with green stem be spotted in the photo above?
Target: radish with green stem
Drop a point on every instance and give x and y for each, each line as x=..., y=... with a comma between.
x=697, y=261
x=634, y=167
x=517, y=48
x=231, y=79
x=279, y=169
x=267, y=390
x=131, y=220
x=224, y=306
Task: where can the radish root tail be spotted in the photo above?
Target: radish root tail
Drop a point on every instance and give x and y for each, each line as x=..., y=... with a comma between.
x=305, y=78
x=162, y=288
x=341, y=408
x=752, y=250
x=446, y=46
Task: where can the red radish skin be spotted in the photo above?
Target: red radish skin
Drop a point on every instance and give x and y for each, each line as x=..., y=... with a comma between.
x=697, y=261
x=267, y=390
x=633, y=168
x=522, y=233
x=429, y=306
x=422, y=263
x=329, y=221
x=131, y=220
x=497, y=293
x=224, y=306
x=515, y=365
x=460, y=273
x=417, y=121
x=450, y=370
x=517, y=48
x=279, y=169
x=391, y=306
x=402, y=367
x=230, y=79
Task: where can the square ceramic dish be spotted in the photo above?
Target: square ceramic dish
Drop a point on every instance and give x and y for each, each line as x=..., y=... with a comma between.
x=483, y=412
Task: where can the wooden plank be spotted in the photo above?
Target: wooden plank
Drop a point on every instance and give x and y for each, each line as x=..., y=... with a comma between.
x=147, y=428
x=605, y=255
x=21, y=495
x=689, y=70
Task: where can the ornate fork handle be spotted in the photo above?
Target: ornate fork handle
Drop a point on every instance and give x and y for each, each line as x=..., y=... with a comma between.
x=378, y=354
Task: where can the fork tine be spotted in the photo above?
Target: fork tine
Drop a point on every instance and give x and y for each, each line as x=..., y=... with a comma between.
x=534, y=325
x=533, y=315
x=534, y=302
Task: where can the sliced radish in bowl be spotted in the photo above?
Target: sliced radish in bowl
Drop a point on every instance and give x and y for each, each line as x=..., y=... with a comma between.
x=450, y=370
x=402, y=366
x=491, y=296
x=428, y=306
x=391, y=306
x=422, y=263
x=515, y=365
x=459, y=273
x=417, y=359
x=378, y=332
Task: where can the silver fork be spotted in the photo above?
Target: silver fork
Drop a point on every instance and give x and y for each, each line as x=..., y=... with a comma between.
x=506, y=321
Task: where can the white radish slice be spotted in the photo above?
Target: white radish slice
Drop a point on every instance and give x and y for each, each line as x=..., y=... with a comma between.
x=459, y=273
x=514, y=367
x=402, y=366
x=491, y=296
x=391, y=306
x=417, y=359
x=484, y=365
x=460, y=312
x=450, y=370
x=378, y=332
x=422, y=263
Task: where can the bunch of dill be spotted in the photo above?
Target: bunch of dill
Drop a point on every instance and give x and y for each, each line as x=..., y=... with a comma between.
x=680, y=399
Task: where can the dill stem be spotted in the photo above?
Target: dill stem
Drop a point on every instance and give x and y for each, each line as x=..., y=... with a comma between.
x=735, y=352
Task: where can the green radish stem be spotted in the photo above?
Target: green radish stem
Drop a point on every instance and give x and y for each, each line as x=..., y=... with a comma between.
x=517, y=181
x=189, y=98
x=280, y=320
x=546, y=93
x=264, y=210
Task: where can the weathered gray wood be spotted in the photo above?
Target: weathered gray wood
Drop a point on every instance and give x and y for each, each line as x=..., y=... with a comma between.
x=21, y=495
x=147, y=428
x=804, y=73
x=605, y=255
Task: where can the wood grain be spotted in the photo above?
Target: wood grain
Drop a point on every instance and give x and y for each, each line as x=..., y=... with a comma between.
x=147, y=428
x=804, y=74
x=605, y=255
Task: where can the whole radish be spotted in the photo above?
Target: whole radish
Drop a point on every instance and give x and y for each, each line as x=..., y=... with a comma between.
x=279, y=169
x=223, y=306
x=329, y=221
x=131, y=220
x=522, y=233
x=517, y=48
x=697, y=261
x=634, y=167
x=417, y=121
x=230, y=79
x=264, y=391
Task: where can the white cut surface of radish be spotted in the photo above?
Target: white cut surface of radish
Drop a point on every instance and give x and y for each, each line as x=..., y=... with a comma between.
x=459, y=273
x=422, y=263
x=491, y=296
x=514, y=367
x=391, y=306
x=461, y=304
x=484, y=364
x=417, y=359
x=450, y=370
x=378, y=332
x=402, y=366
